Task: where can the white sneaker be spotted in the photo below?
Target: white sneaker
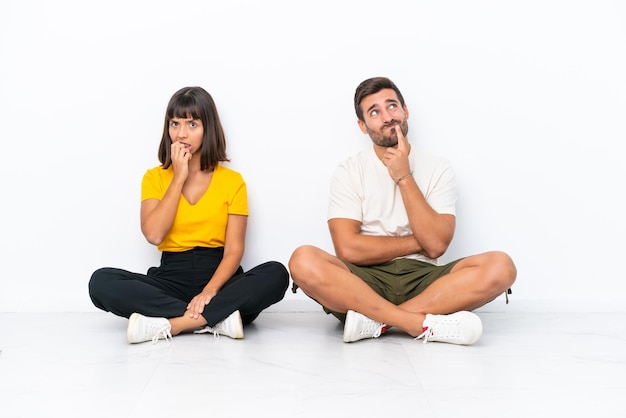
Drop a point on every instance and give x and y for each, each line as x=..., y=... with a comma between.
x=143, y=328
x=231, y=327
x=461, y=327
x=359, y=327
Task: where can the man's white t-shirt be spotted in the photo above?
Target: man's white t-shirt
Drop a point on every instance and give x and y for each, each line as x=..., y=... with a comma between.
x=362, y=189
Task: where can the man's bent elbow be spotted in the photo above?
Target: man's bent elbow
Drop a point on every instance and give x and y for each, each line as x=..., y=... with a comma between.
x=435, y=252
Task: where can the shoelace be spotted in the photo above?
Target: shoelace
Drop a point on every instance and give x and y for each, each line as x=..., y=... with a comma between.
x=425, y=335
x=373, y=328
x=444, y=330
x=204, y=330
x=163, y=332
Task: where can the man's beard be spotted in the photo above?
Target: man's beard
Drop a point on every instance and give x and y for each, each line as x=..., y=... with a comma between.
x=388, y=140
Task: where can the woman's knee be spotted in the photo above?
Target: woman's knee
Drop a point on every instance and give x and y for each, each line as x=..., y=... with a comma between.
x=96, y=280
x=273, y=268
x=100, y=280
x=98, y=286
x=273, y=272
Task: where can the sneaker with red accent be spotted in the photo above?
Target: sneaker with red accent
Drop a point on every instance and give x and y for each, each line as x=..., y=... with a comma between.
x=359, y=327
x=461, y=327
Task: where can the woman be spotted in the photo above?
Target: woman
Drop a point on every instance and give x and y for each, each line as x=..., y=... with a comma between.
x=195, y=211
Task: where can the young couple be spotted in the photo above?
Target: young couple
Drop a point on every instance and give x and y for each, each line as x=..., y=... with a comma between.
x=391, y=215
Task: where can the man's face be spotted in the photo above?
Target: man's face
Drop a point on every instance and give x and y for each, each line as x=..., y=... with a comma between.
x=382, y=114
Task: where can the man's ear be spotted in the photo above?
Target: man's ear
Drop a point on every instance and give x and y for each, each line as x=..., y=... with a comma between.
x=362, y=126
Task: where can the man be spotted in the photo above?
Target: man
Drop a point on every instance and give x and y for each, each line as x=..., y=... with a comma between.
x=391, y=215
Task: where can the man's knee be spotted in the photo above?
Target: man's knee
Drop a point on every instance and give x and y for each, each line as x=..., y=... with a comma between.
x=302, y=260
x=502, y=270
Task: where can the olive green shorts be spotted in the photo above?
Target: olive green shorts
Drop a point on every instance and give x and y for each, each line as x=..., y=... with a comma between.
x=397, y=280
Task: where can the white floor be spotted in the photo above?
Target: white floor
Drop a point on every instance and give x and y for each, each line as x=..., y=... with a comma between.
x=293, y=363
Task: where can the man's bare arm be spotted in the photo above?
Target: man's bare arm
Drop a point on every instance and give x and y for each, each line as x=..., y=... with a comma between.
x=432, y=230
x=364, y=250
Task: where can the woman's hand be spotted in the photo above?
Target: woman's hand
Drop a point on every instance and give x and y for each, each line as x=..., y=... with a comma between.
x=181, y=155
x=197, y=304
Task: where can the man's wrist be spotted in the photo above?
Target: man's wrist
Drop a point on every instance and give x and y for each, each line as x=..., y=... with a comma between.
x=403, y=177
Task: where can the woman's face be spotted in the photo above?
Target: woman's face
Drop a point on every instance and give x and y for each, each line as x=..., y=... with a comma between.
x=188, y=132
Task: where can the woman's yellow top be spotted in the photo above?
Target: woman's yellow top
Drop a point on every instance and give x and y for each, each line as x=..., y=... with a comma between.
x=202, y=224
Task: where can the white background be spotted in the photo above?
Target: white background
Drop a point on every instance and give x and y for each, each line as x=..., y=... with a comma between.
x=526, y=98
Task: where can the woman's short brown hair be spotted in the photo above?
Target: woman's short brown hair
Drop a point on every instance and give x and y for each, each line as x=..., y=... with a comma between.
x=195, y=103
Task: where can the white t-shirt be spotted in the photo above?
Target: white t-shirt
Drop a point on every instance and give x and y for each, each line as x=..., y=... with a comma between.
x=362, y=189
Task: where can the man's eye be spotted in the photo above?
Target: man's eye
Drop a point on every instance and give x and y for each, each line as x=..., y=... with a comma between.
x=393, y=106
x=374, y=113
